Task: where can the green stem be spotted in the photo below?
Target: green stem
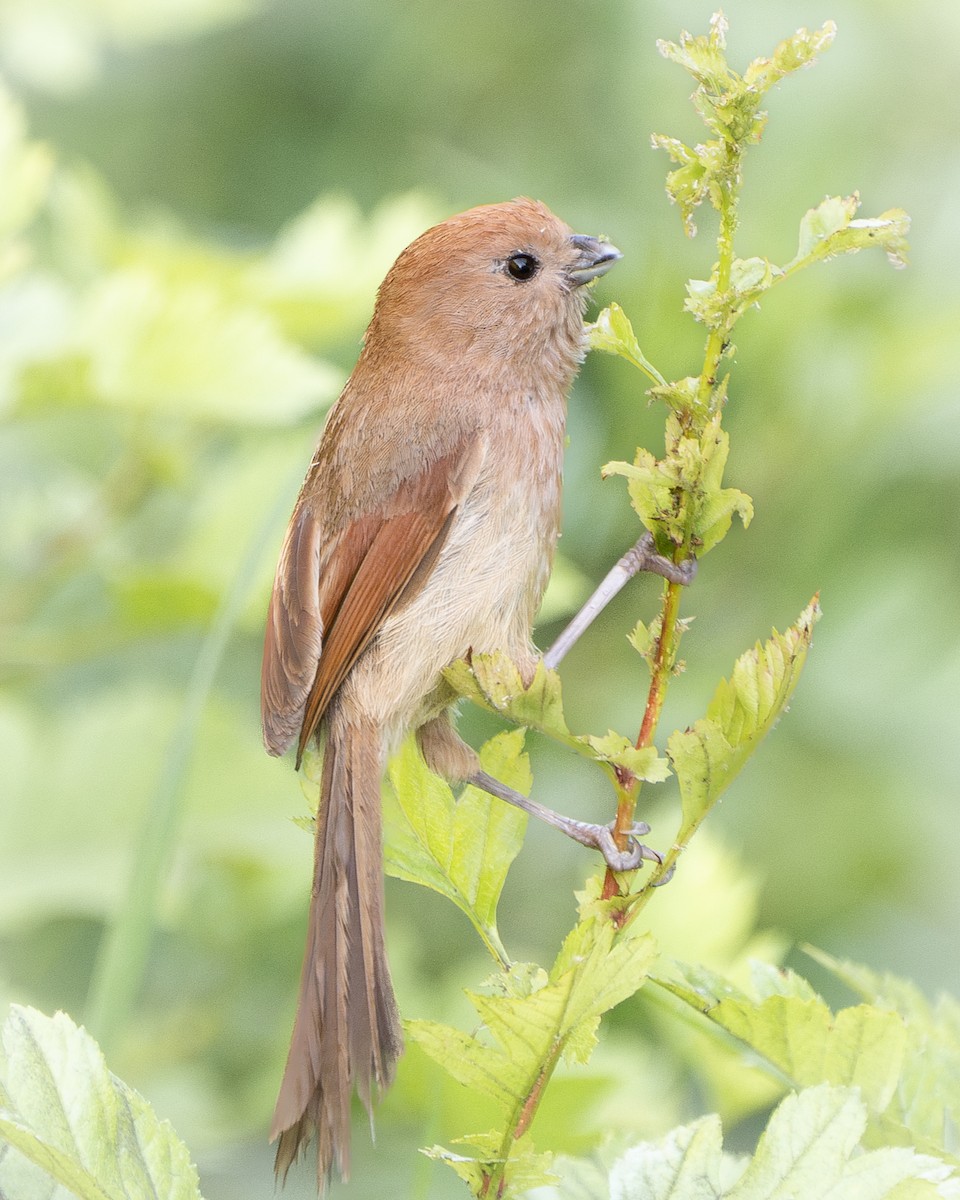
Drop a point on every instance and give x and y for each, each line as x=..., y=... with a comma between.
x=718, y=339
x=122, y=959
x=665, y=650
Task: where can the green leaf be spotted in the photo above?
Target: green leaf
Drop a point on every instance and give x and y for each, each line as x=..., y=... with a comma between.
x=477, y=1065
x=927, y=1098
x=684, y=1165
x=613, y=333
x=703, y=56
x=809, y=1150
x=527, y=1168
x=829, y=229
x=78, y=1125
x=717, y=504
x=680, y=394
x=494, y=682
x=708, y=757
x=461, y=848
x=791, y=1028
x=618, y=750
x=529, y=1023
x=685, y=488
x=792, y=54
x=689, y=185
x=823, y=222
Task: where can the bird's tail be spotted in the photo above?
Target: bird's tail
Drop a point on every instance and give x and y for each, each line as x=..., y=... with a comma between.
x=347, y=1030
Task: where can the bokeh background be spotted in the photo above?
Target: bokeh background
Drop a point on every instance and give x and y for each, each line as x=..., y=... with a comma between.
x=198, y=200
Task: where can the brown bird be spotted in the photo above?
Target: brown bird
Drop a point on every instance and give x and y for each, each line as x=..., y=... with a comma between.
x=425, y=529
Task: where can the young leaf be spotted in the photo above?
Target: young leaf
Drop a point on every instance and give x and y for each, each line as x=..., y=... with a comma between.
x=613, y=333
x=643, y=764
x=717, y=504
x=708, y=757
x=76, y=1124
x=532, y=1022
x=494, y=682
x=792, y=54
x=829, y=229
x=462, y=848
x=527, y=1168
x=703, y=56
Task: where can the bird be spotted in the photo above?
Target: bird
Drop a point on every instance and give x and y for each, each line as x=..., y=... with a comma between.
x=425, y=530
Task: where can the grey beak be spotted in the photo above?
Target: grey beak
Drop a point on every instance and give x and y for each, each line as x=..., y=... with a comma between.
x=594, y=258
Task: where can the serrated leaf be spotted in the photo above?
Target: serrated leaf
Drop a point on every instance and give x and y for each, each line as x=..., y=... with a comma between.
x=689, y=185
x=927, y=1098
x=809, y=1150
x=494, y=682
x=526, y=1029
x=684, y=1165
x=791, y=1028
x=80, y=1126
x=475, y=1064
x=461, y=848
x=618, y=750
x=525, y=1169
x=708, y=756
x=642, y=637
x=702, y=56
x=591, y=975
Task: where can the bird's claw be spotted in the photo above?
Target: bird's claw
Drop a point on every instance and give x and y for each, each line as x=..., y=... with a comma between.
x=647, y=559
x=629, y=859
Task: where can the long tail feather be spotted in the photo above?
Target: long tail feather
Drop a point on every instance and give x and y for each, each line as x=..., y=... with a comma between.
x=347, y=1029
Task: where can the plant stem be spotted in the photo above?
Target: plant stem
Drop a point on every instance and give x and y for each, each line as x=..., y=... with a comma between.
x=124, y=950
x=664, y=655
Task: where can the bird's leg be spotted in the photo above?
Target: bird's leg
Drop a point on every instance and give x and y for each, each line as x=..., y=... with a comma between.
x=597, y=837
x=641, y=557
x=447, y=755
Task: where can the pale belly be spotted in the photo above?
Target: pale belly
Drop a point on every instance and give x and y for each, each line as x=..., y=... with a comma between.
x=482, y=595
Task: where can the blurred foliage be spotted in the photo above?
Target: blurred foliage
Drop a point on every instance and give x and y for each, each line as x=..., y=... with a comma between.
x=199, y=201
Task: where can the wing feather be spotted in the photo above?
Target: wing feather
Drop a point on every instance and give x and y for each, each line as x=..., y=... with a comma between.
x=331, y=596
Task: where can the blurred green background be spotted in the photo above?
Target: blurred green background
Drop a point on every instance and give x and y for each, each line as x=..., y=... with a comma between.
x=198, y=202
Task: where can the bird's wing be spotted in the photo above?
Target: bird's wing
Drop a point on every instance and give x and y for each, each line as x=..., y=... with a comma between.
x=330, y=599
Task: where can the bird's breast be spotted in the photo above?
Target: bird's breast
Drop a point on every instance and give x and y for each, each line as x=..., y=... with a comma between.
x=488, y=580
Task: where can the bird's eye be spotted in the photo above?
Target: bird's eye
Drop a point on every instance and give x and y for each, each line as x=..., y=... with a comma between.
x=522, y=266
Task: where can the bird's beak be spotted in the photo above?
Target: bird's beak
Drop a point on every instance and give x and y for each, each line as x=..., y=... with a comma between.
x=594, y=258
